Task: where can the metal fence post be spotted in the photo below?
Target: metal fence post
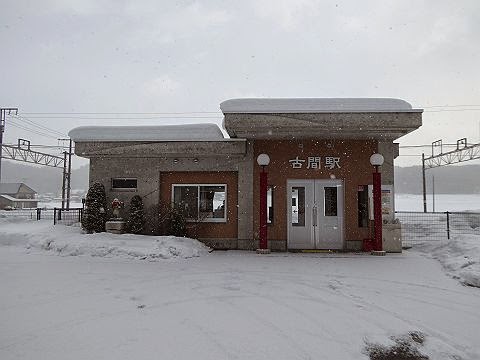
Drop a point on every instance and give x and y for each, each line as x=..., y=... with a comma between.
x=54, y=216
x=448, y=225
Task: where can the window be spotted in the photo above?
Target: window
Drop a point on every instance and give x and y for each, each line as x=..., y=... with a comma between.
x=202, y=202
x=362, y=206
x=128, y=184
x=270, y=204
x=298, y=206
x=331, y=208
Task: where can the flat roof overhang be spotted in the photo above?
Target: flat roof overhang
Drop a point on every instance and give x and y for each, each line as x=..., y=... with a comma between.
x=327, y=125
x=161, y=149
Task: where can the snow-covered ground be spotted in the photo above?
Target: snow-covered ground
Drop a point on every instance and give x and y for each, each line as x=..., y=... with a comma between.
x=72, y=241
x=57, y=204
x=459, y=256
x=222, y=305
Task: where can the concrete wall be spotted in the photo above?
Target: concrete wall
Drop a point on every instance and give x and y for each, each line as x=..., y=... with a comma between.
x=151, y=172
x=151, y=160
x=387, y=126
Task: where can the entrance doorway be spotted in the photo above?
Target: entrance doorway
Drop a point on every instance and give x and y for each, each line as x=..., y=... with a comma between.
x=315, y=214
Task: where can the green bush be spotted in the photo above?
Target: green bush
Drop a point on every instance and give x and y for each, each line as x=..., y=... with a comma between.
x=178, y=224
x=172, y=221
x=94, y=216
x=136, y=218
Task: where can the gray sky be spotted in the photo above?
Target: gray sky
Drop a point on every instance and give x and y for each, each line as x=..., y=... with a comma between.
x=94, y=56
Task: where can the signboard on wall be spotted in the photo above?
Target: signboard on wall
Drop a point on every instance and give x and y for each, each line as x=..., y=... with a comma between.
x=315, y=162
x=388, y=212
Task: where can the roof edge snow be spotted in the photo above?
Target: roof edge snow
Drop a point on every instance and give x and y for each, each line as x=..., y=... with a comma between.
x=315, y=105
x=184, y=132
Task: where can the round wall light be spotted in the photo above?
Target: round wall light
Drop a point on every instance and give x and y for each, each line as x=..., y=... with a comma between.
x=376, y=159
x=263, y=159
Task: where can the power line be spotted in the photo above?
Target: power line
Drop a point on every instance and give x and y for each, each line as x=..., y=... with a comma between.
x=14, y=124
x=416, y=155
x=449, y=110
x=121, y=113
x=124, y=117
x=467, y=108
x=447, y=106
x=426, y=145
x=38, y=126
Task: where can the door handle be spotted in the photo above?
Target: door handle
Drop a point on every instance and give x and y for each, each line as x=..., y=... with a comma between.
x=314, y=214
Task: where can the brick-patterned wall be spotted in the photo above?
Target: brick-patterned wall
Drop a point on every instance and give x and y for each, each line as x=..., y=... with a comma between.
x=355, y=170
x=206, y=229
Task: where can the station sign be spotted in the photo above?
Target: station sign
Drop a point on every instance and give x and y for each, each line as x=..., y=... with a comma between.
x=315, y=162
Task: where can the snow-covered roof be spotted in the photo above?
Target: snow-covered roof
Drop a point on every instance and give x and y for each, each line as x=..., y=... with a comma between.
x=12, y=188
x=11, y=198
x=185, y=132
x=316, y=105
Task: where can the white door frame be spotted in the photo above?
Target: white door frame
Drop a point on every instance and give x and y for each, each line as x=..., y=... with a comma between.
x=319, y=231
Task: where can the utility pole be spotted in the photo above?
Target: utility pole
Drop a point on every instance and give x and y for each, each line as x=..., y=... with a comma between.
x=424, y=185
x=3, y=114
x=67, y=174
x=64, y=178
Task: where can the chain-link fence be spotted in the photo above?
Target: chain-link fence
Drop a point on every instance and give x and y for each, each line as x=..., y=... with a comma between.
x=420, y=227
x=28, y=214
x=67, y=217
x=59, y=216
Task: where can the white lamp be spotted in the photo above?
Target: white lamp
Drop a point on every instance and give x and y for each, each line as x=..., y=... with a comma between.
x=263, y=159
x=376, y=159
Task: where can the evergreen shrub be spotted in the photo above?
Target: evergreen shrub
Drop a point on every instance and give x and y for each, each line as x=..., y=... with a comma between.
x=136, y=218
x=94, y=215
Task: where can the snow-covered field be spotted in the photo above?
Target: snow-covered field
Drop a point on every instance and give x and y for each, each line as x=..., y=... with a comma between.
x=67, y=295
x=443, y=202
x=58, y=204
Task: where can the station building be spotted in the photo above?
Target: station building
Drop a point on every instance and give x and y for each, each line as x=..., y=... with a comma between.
x=319, y=175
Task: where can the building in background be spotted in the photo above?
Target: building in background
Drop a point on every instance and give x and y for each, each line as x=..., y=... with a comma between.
x=319, y=173
x=17, y=196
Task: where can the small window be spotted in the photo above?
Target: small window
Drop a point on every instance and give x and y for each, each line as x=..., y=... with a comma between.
x=298, y=206
x=124, y=184
x=201, y=202
x=270, y=205
x=331, y=208
x=362, y=206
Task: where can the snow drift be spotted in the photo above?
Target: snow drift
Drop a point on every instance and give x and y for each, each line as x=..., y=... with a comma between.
x=72, y=241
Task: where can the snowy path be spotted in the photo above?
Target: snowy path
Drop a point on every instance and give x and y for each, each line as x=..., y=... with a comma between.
x=229, y=305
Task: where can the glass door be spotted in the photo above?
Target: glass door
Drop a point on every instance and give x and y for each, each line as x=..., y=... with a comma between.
x=315, y=214
x=329, y=205
x=300, y=194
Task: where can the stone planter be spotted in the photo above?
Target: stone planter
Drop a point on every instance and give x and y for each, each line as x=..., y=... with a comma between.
x=115, y=226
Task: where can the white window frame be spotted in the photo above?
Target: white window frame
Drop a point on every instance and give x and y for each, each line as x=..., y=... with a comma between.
x=123, y=189
x=212, y=220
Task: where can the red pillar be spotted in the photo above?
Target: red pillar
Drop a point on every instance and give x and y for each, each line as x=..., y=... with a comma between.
x=263, y=209
x=377, y=208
